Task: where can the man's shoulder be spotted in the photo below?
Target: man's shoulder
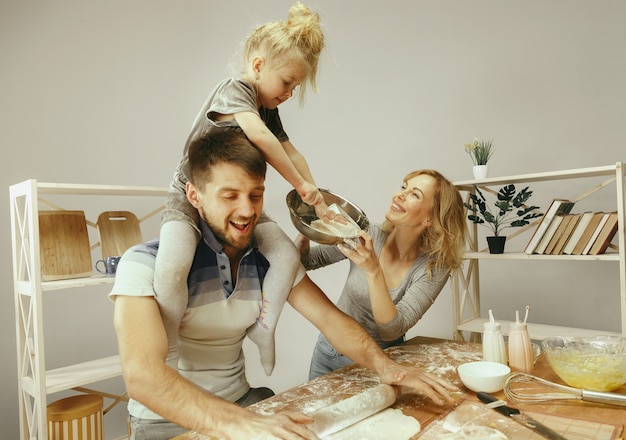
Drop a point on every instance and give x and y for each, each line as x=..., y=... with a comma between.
x=135, y=271
x=142, y=252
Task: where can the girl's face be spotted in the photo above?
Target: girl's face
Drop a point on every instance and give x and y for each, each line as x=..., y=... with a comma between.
x=276, y=84
x=412, y=205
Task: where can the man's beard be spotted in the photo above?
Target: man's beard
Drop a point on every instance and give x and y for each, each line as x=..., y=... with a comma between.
x=223, y=237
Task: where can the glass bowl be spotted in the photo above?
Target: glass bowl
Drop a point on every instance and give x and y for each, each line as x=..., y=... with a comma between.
x=595, y=363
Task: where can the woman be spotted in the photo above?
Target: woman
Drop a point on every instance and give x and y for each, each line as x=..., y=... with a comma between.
x=398, y=268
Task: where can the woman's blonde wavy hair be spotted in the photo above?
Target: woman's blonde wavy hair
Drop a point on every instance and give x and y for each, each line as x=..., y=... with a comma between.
x=299, y=38
x=444, y=241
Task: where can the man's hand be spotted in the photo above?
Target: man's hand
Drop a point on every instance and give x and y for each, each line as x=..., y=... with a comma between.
x=283, y=426
x=433, y=387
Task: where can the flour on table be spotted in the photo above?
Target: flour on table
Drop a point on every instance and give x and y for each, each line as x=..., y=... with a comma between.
x=388, y=424
x=474, y=433
x=461, y=430
x=470, y=421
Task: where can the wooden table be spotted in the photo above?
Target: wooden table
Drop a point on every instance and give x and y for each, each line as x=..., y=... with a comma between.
x=437, y=356
x=609, y=414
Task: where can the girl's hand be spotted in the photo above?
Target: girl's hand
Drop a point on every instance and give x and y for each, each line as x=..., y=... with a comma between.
x=315, y=199
x=311, y=195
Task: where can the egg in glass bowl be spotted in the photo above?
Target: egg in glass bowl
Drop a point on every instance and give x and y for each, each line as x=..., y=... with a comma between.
x=594, y=363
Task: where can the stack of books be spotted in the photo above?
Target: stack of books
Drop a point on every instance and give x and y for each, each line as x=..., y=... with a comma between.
x=563, y=232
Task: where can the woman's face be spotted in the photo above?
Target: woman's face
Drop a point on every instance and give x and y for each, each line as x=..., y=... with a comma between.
x=412, y=205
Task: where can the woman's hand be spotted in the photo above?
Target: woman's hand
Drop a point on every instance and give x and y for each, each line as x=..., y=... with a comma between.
x=361, y=252
x=304, y=246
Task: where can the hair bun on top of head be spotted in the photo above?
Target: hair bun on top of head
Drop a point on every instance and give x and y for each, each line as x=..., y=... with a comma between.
x=298, y=37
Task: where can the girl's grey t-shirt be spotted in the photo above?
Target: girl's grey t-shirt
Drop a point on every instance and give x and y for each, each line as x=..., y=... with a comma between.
x=228, y=97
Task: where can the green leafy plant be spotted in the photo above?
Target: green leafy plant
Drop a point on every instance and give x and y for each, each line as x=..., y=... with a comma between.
x=480, y=151
x=511, y=209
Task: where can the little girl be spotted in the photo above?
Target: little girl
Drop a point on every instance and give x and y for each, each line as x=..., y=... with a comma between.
x=278, y=57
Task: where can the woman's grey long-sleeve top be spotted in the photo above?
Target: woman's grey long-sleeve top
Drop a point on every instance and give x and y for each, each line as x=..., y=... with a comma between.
x=412, y=297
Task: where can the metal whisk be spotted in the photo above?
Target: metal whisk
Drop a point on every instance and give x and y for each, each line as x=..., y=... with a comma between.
x=525, y=388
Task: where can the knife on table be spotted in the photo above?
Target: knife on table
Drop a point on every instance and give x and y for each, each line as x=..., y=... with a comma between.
x=522, y=419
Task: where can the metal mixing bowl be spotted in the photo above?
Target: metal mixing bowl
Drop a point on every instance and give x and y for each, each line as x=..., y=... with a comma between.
x=302, y=215
x=595, y=363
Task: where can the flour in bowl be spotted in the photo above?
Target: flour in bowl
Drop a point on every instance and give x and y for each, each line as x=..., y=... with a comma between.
x=336, y=228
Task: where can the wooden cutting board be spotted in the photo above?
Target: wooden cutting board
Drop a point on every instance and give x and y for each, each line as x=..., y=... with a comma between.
x=477, y=416
x=118, y=230
x=64, y=245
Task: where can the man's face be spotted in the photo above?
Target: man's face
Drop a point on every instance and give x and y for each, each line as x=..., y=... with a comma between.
x=231, y=204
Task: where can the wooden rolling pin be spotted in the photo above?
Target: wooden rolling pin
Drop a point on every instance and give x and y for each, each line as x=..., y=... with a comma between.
x=347, y=412
x=339, y=415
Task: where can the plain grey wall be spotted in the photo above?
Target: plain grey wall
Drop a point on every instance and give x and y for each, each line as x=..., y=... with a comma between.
x=105, y=93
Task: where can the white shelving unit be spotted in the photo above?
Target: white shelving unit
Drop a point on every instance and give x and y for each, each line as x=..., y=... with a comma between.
x=35, y=382
x=466, y=281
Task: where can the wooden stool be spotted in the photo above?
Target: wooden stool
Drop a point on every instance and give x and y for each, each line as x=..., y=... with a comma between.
x=76, y=418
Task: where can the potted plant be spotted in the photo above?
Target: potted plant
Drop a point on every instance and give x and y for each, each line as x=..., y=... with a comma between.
x=480, y=152
x=511, y=212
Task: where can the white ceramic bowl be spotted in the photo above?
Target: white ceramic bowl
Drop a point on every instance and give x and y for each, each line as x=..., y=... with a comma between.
x=483, y=375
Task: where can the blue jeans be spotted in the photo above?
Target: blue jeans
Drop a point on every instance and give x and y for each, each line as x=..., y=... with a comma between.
x=161, y=429
x=326, y=359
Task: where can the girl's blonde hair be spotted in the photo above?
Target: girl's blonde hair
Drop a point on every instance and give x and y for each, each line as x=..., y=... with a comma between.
x=444, y=240
x=299, y=38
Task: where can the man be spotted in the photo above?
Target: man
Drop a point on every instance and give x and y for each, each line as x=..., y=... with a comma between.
x=225, y=301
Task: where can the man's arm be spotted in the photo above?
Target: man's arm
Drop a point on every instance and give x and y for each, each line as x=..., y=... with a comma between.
x=143, y=349
x=350, y=339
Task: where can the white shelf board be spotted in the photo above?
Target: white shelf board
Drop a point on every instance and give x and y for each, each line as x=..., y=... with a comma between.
x=609, y=256
x=536, y=331
x=99, y=190
x=608, y=170
x=76, y=282
x=27, y=287
x=76, y=375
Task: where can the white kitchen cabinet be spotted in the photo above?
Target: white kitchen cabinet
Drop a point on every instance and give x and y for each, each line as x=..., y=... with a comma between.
x=35, y=382
x=466, y=281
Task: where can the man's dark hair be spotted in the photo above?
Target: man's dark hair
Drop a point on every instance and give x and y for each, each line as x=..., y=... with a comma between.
x=223, y=144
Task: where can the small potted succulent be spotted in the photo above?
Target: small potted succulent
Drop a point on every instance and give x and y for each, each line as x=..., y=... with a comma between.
x=510, y=212
x=480, y=152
